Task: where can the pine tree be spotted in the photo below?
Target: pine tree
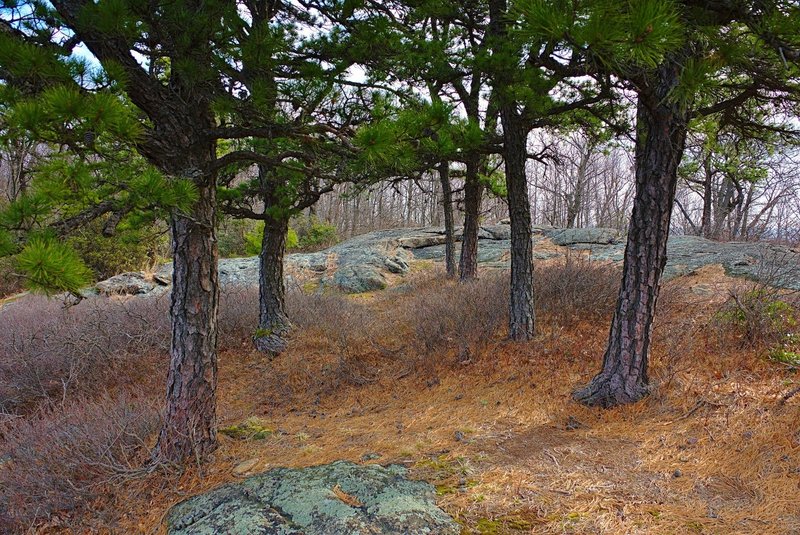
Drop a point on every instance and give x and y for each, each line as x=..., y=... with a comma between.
x=186, y=67
x=86, y=173
x=669, y=54
x=440, y=47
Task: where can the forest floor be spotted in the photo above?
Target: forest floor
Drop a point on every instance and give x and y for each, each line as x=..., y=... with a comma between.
x=712, y=450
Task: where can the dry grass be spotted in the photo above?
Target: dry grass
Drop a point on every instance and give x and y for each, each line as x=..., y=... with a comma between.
x=711, y=451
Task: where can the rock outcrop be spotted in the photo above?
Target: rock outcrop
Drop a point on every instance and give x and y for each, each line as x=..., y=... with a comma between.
x=337, y=498
x=374, y=261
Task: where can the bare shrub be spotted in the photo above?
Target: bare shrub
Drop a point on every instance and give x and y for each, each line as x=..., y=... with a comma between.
x=350, y=331
x=575, y=289
x=50, y=353
x=465, y=317
x=329, y=314
x=60, y=460
x=238, y=317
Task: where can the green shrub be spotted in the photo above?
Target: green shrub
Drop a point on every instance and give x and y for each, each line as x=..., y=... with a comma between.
x=254, y=239
x=314, y=234
x=786, y=356
x=130, y=249
x=232, y=236
x=764, y=317
x=244, y=237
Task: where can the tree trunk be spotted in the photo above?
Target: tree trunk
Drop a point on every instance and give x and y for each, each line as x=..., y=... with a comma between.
x=273, y=322
x=449, y=225
x=705, y=222
x=521, y=323
x=473, y=191
x=661, y=135
x=189, y=428
x=521, y=320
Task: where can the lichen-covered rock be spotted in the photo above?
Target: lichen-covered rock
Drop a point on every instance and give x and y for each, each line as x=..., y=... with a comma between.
x=372, y=261
x=135, y=283
x=573, y=236
x=338, y=498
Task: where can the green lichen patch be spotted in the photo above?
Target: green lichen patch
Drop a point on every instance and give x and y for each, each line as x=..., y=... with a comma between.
x=251, y=429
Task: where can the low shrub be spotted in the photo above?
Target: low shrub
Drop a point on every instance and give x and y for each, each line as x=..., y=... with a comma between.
x=465, y=317
x=238, y=317
x=50, y=353
x=59, y=461
x=313, y=234
x=574, y=289
x=759, y=316
x=232, y=236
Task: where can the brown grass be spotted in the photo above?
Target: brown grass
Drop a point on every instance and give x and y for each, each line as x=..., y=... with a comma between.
x=711, y=451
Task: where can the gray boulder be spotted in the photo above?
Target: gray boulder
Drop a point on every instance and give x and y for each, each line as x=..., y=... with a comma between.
x=372, y=261
x=134, y=283
x=589, y=236
x=338, y=498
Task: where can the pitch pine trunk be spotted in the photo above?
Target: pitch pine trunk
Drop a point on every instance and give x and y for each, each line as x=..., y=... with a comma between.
x=273, y=322
x=660, y=139
x=521, y=321
x=473, y=191
x=189, y=427
x=449, y=224
x=522, y=317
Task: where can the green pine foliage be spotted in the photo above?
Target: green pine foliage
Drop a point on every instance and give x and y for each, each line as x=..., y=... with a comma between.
x=50, y=266
x=87, y=141
x=135, y=246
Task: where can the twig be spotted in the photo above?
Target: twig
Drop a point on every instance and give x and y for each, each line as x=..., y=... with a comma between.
x=553, y=457
x=789, y=395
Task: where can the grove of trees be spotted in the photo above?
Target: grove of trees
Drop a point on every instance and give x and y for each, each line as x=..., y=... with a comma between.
x=118, y=113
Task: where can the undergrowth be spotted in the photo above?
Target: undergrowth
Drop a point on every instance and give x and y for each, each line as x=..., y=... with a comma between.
x=80, y=387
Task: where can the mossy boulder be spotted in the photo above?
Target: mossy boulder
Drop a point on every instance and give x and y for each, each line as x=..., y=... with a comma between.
x=337, y=498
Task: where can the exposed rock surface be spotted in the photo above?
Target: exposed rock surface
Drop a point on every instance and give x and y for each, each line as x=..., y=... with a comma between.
x=337, y=498
x=134, y=283
x=373, y=261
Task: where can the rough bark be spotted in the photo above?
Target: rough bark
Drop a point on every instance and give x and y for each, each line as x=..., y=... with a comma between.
x=521, y=324
x=449, y=224
x=273, y=322
x=660, y=139
x=189, y=427
x=473, y=192
x=522, y=319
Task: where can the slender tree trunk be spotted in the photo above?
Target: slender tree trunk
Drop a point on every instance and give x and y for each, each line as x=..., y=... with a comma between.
x=661, y=135
x=449, y=224
x=742, y=231
x=273, y=322
x=189, y=428
x=521, y=324
x=473, y=192
x=521, y=321
x=705, y=222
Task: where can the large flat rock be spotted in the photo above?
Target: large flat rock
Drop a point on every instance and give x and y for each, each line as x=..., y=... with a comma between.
x=374, y=260
x=341, y=498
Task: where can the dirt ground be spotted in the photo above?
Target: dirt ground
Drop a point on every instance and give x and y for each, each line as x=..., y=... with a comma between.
x=712, y=450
